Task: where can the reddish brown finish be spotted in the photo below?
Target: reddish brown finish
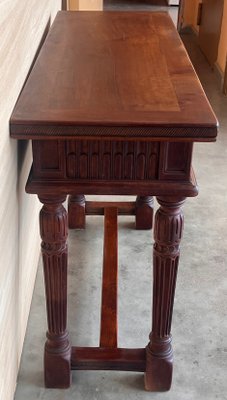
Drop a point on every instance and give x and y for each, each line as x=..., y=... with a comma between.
x=76, y=212
x=85, y=160
x=108, y=334
x=97, y=207
x=112, y=160
x=117, y=359
x=144, y=212
x=113, y=106
x=187, y=188
x=53, y=231
x=110, y=52
x=142, y=208
x=172, y=167
x=167, y=235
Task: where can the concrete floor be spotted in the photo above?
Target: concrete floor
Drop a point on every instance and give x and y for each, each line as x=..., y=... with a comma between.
x=200, y=314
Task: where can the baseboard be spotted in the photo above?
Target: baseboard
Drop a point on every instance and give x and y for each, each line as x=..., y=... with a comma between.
x=194, y=31
x=189, y=29
x=219, y=75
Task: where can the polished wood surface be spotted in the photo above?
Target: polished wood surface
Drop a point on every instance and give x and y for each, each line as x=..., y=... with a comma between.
x=54, y=232
x=167, y=236
x=109, y=321
x=118, y=359
x=117, y=74
x=112, y=106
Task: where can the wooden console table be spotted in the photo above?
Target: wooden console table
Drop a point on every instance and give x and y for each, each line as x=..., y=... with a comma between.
x=112, y=106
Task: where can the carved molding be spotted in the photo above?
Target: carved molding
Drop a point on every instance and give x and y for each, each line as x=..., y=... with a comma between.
x=55, y=131
x=116, y=160
x=167, y=234
x=54, y=230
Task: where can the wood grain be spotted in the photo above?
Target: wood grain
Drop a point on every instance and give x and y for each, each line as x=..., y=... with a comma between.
x=168, y=231
x=119, y=359
x=127, y=70
x=124, y=83
x=108, y=331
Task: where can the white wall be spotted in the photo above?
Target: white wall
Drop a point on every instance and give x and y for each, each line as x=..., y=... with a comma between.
x=22, y=26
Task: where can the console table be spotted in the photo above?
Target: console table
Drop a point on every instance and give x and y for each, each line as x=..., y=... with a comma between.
x=112, y=106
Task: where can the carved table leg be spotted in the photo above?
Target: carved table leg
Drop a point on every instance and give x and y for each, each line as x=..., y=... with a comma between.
x=54, y=230
x=144, y=212
x=167, y=234
x=76, y=211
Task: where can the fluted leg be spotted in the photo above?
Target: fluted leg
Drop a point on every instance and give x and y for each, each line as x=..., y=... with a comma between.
x=144, y=212
x=76, y=212
x=54, y=231
x=167, y=234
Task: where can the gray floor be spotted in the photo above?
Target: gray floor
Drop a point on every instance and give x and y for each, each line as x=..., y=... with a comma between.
x=141, y=5
x=200, y=314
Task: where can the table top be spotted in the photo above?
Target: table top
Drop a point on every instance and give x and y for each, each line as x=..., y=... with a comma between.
x=102, y=74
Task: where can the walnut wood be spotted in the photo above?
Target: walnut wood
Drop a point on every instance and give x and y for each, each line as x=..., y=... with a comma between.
x=108, y=331
x=144, y=212
x=167, y=235
x=76, y=212
x=156, y=187
x=97, y=207
x=108, y=159
x=53, y=231
x=84, y=160
x=113, y=106
x=118, y=359
x=118, y=74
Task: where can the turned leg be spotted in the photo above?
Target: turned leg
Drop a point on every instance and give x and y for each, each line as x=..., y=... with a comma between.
x=167, y=234
x=76, y=212
x=54, y=230
x=144, y=212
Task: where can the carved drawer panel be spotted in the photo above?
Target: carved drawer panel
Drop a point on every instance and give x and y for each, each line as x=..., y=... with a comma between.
x=111, y=160
x=175, y=160
x=48, y=158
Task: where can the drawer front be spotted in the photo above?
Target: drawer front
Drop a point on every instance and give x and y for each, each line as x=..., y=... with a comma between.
x=110, y=160
x=95, y=160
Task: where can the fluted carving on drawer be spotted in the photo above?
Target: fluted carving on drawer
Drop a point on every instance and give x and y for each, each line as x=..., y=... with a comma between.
x=114, y=160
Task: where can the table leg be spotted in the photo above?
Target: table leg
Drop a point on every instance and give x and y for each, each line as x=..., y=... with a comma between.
x=144, y=212
x=54, y=231
x=167, y=234
x=76, y=211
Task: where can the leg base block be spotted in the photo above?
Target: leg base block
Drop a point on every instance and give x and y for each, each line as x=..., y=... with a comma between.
x=57, y=370
x=144, y=212
x=76, y=212
x=158, y=375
